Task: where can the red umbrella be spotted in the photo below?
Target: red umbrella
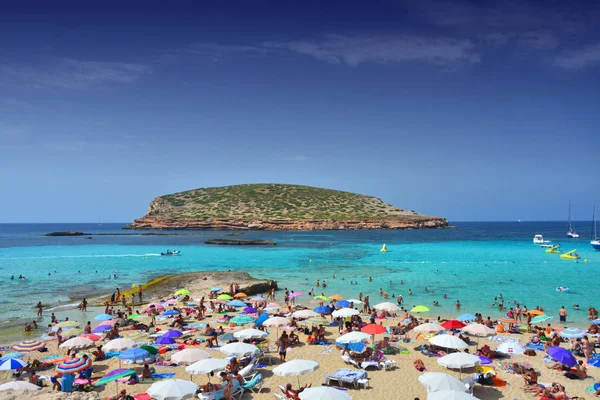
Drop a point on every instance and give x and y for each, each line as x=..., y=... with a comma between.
x=91, y=336
x=373, y=329
x=453, y=324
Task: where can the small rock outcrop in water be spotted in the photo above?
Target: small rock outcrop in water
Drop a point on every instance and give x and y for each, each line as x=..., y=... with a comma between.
x=67, y=234
x=278, y=207
x=241, y=242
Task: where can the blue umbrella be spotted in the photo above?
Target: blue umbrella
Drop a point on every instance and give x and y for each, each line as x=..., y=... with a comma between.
x=12, y=363
x=102, y=328
x=343, y=303
x=216, y=289
x=134, y=353
x=540, y=318
x=172, y=333
x=236, y=303
x=103, y=317
x=467, y=317
x=485, y=360
x=322, y=310
x=165, y=340
x=561, y=355
x=572, y=333
x=250, y=310
x=261, y=318
x=171, y=312
x=11, y=355
x=226, y=337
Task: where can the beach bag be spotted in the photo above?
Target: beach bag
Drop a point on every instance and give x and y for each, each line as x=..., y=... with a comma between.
x=529, y=352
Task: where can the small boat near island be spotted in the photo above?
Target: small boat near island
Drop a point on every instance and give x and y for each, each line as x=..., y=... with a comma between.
x=170, y=253
x=595, y=243
x=539, y=239
x=571, y=233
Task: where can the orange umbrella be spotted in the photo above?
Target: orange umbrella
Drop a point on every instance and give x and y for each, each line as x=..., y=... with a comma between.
x=316, y=302
x=240, y=295
x=535, y=312
x=336, y=297
x=508, y=320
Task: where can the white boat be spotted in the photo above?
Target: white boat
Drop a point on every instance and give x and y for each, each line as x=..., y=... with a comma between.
x=595, y=242
x=538, y=239
x=571, y=233
x=547, y=245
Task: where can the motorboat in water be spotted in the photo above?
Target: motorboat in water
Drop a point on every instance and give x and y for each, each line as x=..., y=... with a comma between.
x=539, y=239
x=595, y=243
x=170, y=253
x=570, y=255
x=571, y=233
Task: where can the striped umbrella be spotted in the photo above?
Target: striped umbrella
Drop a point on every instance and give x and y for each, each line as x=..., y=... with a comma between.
x=114, y=375
x=540, y=318
x=72, y=365
x=68, y=324
x=12, y=354
x=54, y=358
x=12, y=363
x=134, y=335
x=72, y=332
x=29, y=345
x=317, y=321
x=571, y=333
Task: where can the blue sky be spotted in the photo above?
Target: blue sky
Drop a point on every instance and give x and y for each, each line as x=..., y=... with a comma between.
x=468, y=110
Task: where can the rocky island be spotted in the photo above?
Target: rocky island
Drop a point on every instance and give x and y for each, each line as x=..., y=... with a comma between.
x=277, y=207
x=241, y=242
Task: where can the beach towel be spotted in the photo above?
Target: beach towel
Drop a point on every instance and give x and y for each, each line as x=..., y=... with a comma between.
x=535, y=346
x=163, y=376
x=504, y=339
x=594, y=388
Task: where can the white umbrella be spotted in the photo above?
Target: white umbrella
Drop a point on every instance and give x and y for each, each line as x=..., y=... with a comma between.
x=428, y=327
x=353, y=337
x=277, y=321
x=206, y=366
x=354, y=301
x=296, y=368
x=323, y=393
x=77, y=343
x=250, y=334
x=459, y=360
x=478, y=330
x=19, y=385
x=448, y=342
x=450, y=395
x=118, y=345
x=510, y=348
x=172, y=389
x=386, y=306
x=436, y=381
x=189, y=356
x=238, y=349
x=345, y=312
x=303, y=314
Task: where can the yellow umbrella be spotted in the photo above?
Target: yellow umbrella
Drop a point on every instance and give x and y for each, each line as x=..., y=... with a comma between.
x=224, y=297
x=419, y=309
x=182, y=291
x=72, y=332
x=240, y=295
x=321, y=298
x=68, y=324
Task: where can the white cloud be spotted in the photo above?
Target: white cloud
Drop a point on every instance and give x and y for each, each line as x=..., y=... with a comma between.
x=69, y=73
x=579, y=58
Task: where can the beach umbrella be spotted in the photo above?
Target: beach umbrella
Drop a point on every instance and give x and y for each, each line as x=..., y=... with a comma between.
x=114, y=375
x=322, y=310
x=561, y=355
x=373, y=329
x=478, y=330
x=277, y=321
x=343, y=303
x=224, y=297
x=345, y=312
x=12, y=363
x=459, y=360
x=296, y=294
x=535, y=312
x=72, y=365
x=336, y=297
x=149, y=349
x=12, y=354
x=143, y=319
x=134, y=316
x=69, y=332
x=236, y=303
x=118, y=345
x=102, y=328
x=19, y=385
x=165, y=340
x=273, y=304
x=387, y=306
x=448, y=342
x=77, y=343
x=317, y=321
x=261, y=318
x=156, y=306
x=91, y=336
x=29, y=345
x=303, y=314
x=240, y=295
x=238, y=349
x=320, y=297
x=109, y=322
x=172, y=389
x=242, y=319
x=569, y=333
x=216, y=289
x=323, y=393
x=133, y=354
x=257, y=299
x=173, y=333
x=437, y=381
x=134, y=335
x=189, y=356
x=250, y=334
x=206, y=366
x=419, y=309
x=353, y=337
x=453, y=324
x=428, y=328
x=68, y=324
x=355, y=301
x=450, y=395
x=510, y=348
x=103, y=317
x=485, y=360
x=541, y=318
x=296, y=368
x=250, y=310
x=170, y=302
x=182, y=292
x=466, y=317
x=170, y=313
x=227, y=337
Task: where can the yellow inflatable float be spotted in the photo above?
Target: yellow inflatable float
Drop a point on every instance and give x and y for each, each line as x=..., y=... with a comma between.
x=570, y=255
x=554, y=249
x=383, y=249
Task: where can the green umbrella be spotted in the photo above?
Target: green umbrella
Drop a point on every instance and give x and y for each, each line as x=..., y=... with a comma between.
x=182, y=291
x=150, y=349
x=242, y=320
x=420, y=309
x=134, y=316
x=321, y=298
x=224, y=297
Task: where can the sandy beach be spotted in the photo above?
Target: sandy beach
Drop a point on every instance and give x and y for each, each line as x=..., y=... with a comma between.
x=399, y=383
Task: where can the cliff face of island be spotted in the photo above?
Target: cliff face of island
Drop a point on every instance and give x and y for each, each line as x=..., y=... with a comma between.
x=278, y=207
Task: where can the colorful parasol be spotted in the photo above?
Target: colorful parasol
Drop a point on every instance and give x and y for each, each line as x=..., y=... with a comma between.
x=29, y=345
x=72, y=365
x=114, y=375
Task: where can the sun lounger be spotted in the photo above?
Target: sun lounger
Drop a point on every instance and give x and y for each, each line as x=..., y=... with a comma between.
x=255, y=384
x=345, y=376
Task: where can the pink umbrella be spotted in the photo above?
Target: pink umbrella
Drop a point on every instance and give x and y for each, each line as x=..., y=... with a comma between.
x=110, y=322
x=296, y=294
x=157, y=306
x=273, y=304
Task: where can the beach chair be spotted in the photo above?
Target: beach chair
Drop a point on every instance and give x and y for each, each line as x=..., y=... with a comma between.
x=248, y=372
x=282, y=395
x=255, y=384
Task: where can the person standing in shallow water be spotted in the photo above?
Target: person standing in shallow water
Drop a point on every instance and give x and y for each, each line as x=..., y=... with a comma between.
x=562, y=314
x=40, y=309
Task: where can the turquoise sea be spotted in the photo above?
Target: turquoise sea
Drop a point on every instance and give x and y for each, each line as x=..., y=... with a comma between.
x=473, y=263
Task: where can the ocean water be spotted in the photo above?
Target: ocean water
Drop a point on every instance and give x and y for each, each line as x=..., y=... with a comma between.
x=473, y=263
